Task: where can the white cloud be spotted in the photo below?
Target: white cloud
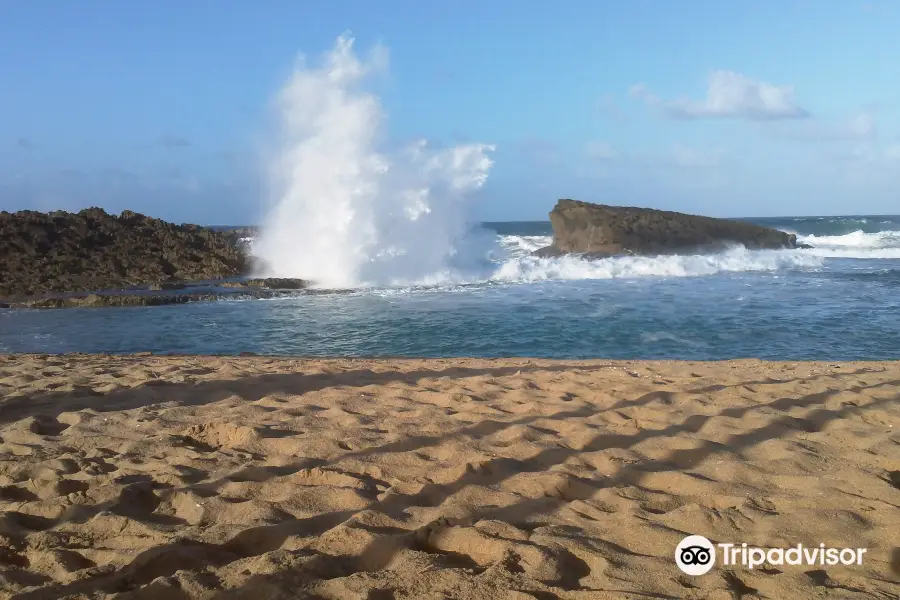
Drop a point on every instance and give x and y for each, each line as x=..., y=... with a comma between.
x=733, y=96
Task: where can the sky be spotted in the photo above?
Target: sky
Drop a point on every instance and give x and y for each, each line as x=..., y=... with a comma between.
x=739, y=108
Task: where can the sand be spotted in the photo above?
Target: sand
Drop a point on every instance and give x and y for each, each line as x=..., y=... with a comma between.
x=180, y=477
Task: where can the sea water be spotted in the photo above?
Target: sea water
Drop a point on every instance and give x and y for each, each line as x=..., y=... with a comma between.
x=837, y=301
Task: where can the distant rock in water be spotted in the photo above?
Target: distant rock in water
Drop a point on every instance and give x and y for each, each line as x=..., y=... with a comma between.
x=598, y=230
x=92, y=250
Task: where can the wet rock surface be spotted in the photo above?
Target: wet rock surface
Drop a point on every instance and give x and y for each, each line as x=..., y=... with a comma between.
x=272, y=283
x=107, y=300
x=598, y=231
x=46, y=253
x=172, y=293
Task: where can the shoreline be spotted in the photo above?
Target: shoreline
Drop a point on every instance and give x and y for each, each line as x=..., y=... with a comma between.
x=746, y=362
x=143, y=476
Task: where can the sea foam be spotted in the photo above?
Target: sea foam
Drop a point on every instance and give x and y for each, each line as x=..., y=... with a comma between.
x=347, y=211
x=525, y=268
x=857, y=244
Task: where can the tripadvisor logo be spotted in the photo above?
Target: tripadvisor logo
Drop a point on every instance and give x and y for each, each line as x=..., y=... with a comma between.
x=696, y=555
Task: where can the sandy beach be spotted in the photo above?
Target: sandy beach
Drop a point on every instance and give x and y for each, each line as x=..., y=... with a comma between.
x=176, y=477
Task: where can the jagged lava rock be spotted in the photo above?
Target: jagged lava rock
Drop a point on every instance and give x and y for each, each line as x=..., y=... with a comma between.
x=93, y=250
x=599, y=230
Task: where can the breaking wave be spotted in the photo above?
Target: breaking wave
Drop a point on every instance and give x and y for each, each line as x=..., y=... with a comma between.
x=856, y=244
x=521, y=267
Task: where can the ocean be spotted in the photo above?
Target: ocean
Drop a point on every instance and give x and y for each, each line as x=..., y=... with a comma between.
x=837, y=301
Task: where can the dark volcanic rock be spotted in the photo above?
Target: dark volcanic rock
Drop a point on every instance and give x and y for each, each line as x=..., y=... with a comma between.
x=92, y=250
x=243, y=232
x=279, y=283
x=167, y=285
x=105, y=300
x=272, y=283
x=197, y=293
x=598, y=230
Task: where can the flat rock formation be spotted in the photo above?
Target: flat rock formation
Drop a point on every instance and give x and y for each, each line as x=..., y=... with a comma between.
x=159, y=294
x=42, y=253
x=598, y=230
x=272, y=283
x=108, y=300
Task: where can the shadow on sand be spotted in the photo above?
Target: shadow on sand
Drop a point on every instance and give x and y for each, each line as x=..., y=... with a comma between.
x=186, y=554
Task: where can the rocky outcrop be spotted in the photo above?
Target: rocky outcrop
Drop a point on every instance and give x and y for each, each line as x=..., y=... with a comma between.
x=92, y=250
x=598, y=230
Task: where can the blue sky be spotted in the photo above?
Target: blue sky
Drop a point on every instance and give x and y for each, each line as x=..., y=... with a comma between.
x=741, y=108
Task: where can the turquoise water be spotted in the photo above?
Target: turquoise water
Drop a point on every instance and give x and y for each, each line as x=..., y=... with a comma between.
x=838, y=301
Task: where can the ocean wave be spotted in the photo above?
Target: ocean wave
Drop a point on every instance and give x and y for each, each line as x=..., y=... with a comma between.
x=522, y=245
x=532, y=268
x=857, y=244
x=511, y=261
x=855, y=239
